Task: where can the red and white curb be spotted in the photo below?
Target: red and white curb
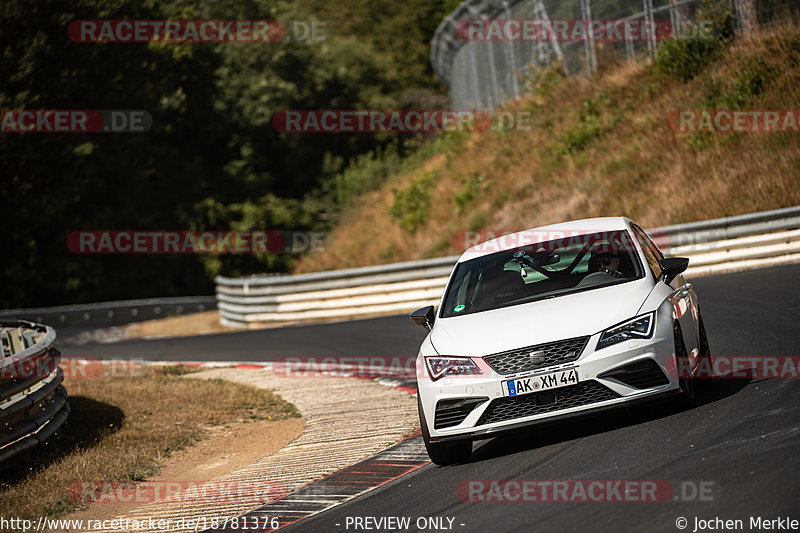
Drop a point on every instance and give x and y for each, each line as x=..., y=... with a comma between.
x=404, y=383
x=335, y=486
x=340, y=487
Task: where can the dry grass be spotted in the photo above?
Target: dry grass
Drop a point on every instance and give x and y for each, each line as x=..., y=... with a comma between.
x=634, y=166
x=122, y=428
x=204, y=323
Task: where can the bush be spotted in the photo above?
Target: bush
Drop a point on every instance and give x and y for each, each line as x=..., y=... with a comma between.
x=749, y=82
x=685, y=56
x=366, y=173
x=470, y=189
x=589, y=125
x=410, y=206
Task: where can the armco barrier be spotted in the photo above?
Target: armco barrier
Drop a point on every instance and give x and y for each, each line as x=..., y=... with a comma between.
x=713, y=246
x=33, y=403
x=106, y=314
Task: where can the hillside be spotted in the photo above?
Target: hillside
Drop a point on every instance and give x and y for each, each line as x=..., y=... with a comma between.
x=599, y=147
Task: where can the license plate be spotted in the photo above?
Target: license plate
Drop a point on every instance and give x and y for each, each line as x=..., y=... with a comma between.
x=551, y=380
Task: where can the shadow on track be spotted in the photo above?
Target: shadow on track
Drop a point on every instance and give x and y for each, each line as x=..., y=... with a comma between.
x=588, y=425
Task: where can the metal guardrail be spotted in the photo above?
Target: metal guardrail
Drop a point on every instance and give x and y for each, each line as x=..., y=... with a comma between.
x=744, y=241
x=713, y=246
x=33, y=402
x=105, y=314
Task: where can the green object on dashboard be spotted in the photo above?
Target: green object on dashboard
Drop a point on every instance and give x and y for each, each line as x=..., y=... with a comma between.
x=459, y=308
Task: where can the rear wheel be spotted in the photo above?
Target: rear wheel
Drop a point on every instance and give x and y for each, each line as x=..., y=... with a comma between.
x=443, y=453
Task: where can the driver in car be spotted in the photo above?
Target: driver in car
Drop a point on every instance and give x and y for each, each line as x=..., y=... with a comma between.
x=607, y=262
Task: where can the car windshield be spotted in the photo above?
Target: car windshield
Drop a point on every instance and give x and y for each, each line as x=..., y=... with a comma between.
x=542, y=270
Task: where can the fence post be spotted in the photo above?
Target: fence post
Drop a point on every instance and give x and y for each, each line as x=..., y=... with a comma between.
x=746, y=16
x=540, y=13
x=649, y=23
x=588, y=44
x=511, y=55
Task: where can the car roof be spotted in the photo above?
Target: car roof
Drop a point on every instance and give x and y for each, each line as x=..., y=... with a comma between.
x=556, y=231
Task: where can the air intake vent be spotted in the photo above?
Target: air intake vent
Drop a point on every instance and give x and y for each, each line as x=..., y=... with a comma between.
x=509, y=408
x=451, y=413
x=639, y=375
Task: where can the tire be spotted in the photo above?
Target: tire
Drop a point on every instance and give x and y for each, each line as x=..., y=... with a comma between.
x=443, y=453
x=705, y=354
x=687, y=385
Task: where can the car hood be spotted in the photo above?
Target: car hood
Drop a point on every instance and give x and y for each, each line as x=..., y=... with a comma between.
x=518, y=326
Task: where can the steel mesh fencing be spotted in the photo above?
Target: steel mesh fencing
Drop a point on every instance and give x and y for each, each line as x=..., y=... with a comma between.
x=482, y=74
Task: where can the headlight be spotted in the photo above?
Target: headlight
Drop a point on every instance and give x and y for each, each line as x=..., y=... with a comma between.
x=439, y=367
x=640, y=327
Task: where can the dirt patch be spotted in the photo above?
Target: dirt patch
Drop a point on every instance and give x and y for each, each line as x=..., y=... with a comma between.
x=179, y=326
x=226, y=449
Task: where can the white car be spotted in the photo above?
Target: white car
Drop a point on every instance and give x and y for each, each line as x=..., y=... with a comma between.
x=554, y=322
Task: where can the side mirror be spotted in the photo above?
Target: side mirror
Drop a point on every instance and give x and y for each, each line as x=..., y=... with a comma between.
x=424, y=317
x=672, y=266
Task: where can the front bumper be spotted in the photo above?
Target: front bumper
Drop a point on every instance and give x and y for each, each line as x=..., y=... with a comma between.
x=595, y=392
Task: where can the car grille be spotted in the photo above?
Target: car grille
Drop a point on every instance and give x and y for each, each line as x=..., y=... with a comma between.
x=553, y=353
x=509, y=408
x=640, y=375
x=451, y=413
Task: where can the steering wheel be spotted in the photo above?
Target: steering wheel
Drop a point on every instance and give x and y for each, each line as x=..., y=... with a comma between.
x=595, y=278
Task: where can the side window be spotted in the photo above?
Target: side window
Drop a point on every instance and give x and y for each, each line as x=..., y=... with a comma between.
x=651, y=253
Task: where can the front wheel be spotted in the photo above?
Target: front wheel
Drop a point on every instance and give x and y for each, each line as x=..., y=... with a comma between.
x=686, y=383
x=705, y=357
x=443, y=453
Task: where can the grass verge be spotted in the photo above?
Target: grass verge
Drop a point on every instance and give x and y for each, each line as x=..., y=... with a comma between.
x=122, y=428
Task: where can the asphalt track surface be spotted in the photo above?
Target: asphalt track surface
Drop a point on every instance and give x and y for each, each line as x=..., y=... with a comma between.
x=743, y=441
x=384, y=337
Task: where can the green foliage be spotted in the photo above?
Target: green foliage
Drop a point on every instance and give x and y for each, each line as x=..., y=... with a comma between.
x=213, y=159
x=751, y=76
x=590, y=125
x=542, y=80
x=268, y=211
x=366, y=173
x=471, y=187
x=684, y=56
x=399, y=31
x=369, y=171
x=411, y=205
